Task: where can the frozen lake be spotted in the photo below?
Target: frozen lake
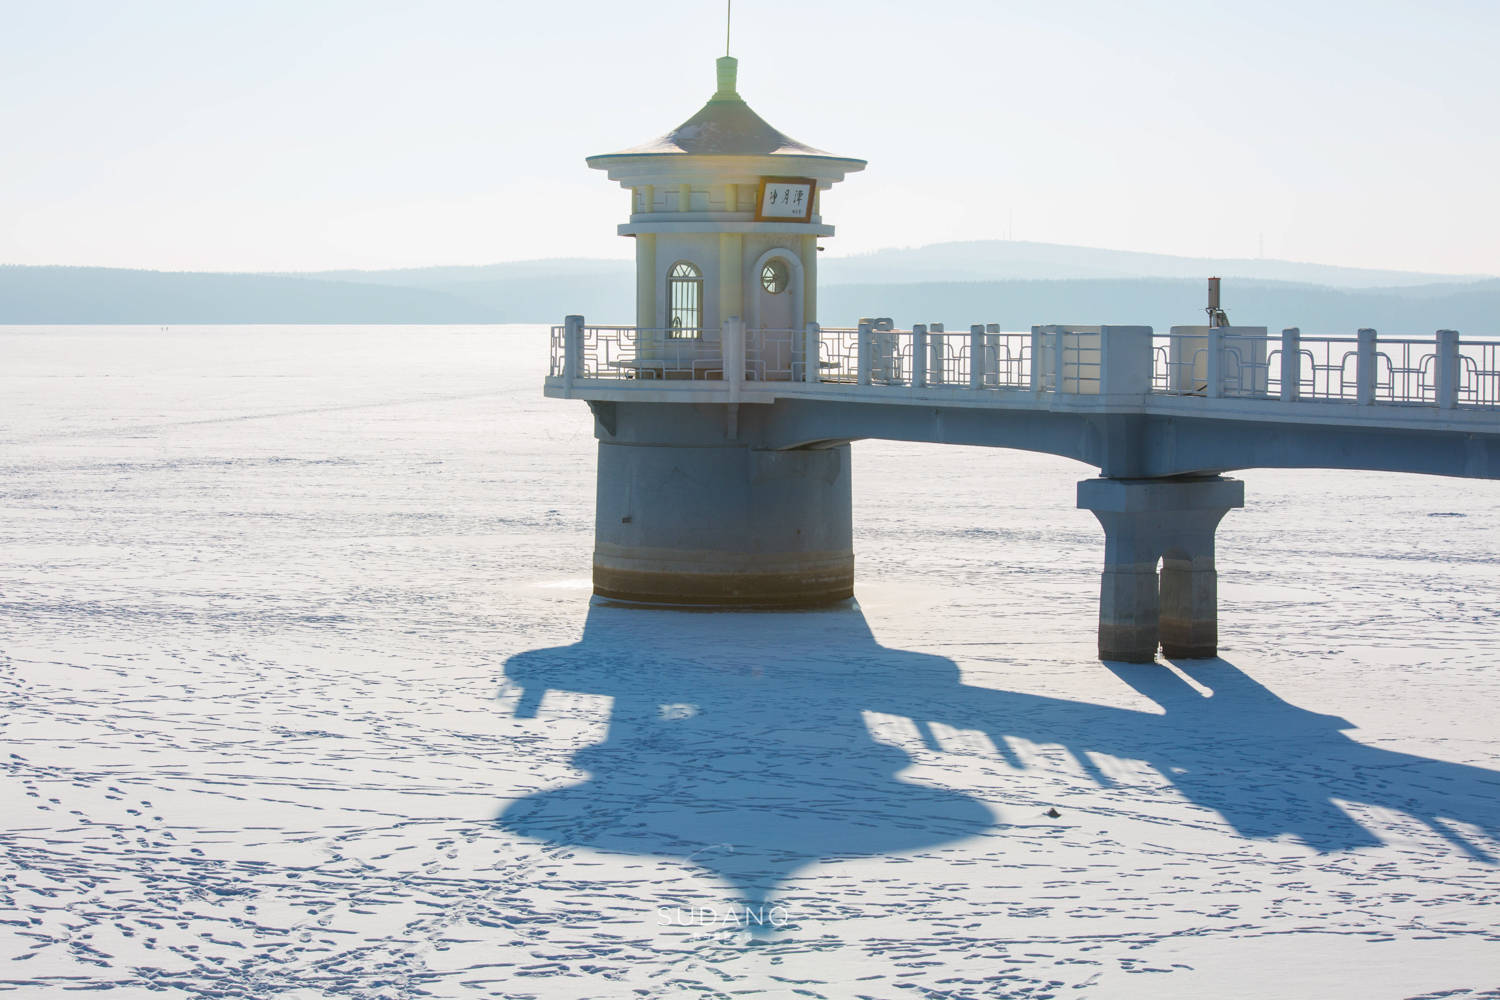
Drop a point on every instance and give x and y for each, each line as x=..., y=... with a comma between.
x=302, y=694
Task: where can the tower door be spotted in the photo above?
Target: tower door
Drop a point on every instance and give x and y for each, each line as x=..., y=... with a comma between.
x=778, y=314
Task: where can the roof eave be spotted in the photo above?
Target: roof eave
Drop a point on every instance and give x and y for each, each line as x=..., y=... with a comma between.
x=601, y=161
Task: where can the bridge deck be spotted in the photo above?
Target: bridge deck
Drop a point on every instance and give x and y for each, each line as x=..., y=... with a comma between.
x=1132, y=403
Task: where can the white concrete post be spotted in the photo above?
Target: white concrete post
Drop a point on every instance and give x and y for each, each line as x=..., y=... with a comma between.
x=572, y=351
x=992, y=354
x=1447, y=369
x=1214, y=363
x=919, y=356
x=1058, y=347
x=1291, y=364
x=733, y=345
x=862, y=354
x=813, y=350
x=883, y=350
x=1125, y=358
x=935, y=355
x=976, y=356
x=1038, y=361
x=1364, y=369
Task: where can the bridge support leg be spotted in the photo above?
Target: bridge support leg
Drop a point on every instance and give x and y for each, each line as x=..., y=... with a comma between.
x=723, y=524
x=1146, y=520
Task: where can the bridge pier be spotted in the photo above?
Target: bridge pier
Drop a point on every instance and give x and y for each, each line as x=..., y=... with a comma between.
x=1174, y=521
x=682, y=518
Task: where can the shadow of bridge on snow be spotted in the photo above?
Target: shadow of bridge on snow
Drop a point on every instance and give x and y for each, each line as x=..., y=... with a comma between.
x=737, y=742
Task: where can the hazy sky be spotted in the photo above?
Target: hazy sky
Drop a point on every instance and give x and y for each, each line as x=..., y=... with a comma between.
x=308, y=134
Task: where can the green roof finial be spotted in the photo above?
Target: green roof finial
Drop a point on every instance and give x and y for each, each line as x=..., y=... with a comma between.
x=728, y=67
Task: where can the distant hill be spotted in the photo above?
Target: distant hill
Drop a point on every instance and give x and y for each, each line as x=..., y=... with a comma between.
x=1004, y=260
x=1014, y=284
x=112, y=295
x=1473, y=309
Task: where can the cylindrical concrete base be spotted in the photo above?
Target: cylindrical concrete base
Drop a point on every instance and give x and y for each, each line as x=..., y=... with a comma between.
x=1189, y=609
x=724, y=526
x=1128, y=614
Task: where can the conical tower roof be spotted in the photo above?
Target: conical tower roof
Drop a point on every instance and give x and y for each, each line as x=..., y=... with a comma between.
x=725, y=126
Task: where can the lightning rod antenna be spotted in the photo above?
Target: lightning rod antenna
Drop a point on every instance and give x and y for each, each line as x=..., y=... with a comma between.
x=728, y=20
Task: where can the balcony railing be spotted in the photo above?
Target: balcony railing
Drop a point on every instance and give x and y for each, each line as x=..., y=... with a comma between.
x=1244, y=363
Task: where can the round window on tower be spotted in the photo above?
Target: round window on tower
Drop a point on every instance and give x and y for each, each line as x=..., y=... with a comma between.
x=774, y=276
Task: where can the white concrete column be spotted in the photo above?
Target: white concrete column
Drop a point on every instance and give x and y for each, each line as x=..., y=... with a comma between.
x=813, y=352
x=809, y=279
x=1125, y=356
x=1448, y=370
x=731, y=276
x=976, y=356
x=1291, y=364
x=1214, y=363
x=1189, y=604
x=645, y=281
x=1038, y=360
x=935, y=354
x=1364, y=368
x=1055, y=344
x=1173, y=520
x=919, y=356
x=862, y=354
x=732, y=343
x=572, y=351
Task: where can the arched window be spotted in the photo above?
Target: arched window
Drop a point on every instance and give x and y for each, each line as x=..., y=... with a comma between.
x=685, y=293
x=774, y=277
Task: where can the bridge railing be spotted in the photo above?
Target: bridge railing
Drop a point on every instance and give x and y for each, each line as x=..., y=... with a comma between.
x=776, y=355
x=1479, y=373
x=1318, y=368
x=1445, y=371
x=925, y=357
x=626, y=353
x=1091, y=360
x=1225, y=362
x=838, y=354
x=1246, y=362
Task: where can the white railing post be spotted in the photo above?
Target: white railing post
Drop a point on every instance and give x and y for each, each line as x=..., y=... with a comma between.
x=1291, y=364
x=1038, y=361
x=1125, y=359
x=976, y=356
x=1214, y=364
x=883, y=350
x=1447, y=369
x=935, y=345
x=862, y=354
x=992, y=354
x=1364, y=369
x=813, y=351
x=572, y=351
x=919, y=355
x=1059, y=349
x=732, y=343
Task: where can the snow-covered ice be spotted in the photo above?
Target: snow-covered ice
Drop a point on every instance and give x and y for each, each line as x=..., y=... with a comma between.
x=304, y=695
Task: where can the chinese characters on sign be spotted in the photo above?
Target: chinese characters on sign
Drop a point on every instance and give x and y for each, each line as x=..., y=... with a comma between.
x=785, y=198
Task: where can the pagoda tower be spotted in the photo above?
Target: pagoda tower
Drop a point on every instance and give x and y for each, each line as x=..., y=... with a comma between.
x=726, y=218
